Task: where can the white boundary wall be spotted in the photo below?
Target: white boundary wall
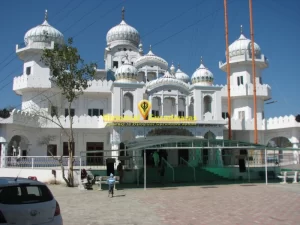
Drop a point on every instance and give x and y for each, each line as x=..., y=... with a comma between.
x=43, y=175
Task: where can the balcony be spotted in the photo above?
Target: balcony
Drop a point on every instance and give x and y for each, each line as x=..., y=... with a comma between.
x=261, y=61
x=262, y=90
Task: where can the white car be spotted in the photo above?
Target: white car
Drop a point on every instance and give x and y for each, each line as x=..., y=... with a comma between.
x=27, y=202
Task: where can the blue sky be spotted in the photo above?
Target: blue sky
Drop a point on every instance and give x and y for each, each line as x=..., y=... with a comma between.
x=276, y=31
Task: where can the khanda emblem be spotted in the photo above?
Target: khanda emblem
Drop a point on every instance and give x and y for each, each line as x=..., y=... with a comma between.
x=144, y=108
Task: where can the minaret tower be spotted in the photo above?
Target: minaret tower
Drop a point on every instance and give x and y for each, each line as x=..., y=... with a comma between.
x=241, y=80
x=35, y=76
x=121, y=40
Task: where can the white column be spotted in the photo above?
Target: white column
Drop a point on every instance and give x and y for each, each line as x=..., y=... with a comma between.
x=3, y=154
x=162, y=103
x=157, y=74
x=176, y=106
x=115, y=154
x=296, y=154
x=186, y=107
x=146, y=75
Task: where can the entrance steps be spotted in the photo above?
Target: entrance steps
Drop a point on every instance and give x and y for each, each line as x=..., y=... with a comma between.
x=182, y=174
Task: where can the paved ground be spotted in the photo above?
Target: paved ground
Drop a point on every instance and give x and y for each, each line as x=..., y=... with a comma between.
x=202, y=205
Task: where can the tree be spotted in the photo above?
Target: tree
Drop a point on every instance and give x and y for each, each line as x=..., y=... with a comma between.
x=5, y=112
x=298, y=118
x=70, y=75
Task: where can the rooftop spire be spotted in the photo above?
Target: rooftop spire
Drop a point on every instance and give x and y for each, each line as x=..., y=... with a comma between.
x=46, y=14
x=150, y=48
x=241, y=29
x=123, y=13
x=178, y=66
x=201, y=60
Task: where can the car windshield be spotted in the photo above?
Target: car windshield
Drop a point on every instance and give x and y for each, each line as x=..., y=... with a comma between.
x=24, y=194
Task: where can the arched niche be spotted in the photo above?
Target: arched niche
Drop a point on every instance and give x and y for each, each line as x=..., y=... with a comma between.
x=128, y=104
x=18, y=145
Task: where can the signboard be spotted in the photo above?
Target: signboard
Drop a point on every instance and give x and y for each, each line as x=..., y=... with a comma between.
x=144, y=107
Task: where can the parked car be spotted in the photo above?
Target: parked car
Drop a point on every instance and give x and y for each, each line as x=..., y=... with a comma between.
x=24, y=201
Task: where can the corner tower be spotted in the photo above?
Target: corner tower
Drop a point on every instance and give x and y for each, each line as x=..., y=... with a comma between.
x=240, y=59
x=35, y=75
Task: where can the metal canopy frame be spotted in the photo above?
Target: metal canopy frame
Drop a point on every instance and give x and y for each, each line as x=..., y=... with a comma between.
x=188, y=142
x=177, y=142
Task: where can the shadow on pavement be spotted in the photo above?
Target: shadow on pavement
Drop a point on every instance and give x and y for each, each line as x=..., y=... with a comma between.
x=210, y=184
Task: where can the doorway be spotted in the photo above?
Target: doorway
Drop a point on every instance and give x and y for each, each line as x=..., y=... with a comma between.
x=183, y=153
x=205, y=156
x=94, y=158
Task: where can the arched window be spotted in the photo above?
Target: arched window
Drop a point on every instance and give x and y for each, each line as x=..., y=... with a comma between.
x=128, y=102
x=207, y=104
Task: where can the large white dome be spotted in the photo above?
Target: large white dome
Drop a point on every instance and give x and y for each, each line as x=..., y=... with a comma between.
x=151, y=59
x=123, y=32
x=44, y=33
x=242, y=46
x=202, y=76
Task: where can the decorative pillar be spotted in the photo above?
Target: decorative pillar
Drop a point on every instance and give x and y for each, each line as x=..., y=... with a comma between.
x=177, y=107
x=3, y=154
x=296, y=154
x=146, y=75
x=186, y=107
x=157, y=74
x=162, y=103
x=115, y=144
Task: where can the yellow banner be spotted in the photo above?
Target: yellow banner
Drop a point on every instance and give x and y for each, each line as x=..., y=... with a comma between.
x=173, y=119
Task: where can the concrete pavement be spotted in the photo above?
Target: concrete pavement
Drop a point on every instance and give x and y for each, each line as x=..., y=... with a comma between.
x=274, y=204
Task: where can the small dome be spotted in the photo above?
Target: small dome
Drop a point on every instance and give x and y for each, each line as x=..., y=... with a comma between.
x=123, y=32
x=172, y=69
x=241, y=46
x=168, y=81
x=202, y=76
x=126, y=73
x=151, y=60
x=44, y=33
x=182, y=76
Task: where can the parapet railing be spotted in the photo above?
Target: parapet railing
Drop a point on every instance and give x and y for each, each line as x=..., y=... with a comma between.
x=187, y=163
x=171, y=167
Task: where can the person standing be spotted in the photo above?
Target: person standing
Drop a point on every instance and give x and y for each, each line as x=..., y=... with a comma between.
x=111, y=184
x=156, y=158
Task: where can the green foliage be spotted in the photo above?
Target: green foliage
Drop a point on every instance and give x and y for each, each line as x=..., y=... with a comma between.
x=67, y=69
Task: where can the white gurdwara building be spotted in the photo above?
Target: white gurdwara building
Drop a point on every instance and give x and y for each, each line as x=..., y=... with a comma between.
x=130, y=76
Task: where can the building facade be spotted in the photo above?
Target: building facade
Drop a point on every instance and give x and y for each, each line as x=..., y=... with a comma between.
x=107, y=113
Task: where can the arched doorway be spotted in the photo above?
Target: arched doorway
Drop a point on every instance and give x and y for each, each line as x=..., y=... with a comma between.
x=209, y=136
x=280, y=156
x=18, y=146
